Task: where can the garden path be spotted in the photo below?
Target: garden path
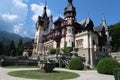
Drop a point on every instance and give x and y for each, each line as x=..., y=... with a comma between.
x=84, y=75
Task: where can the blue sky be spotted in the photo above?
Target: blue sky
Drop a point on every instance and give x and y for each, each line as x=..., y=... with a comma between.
x=19, y=16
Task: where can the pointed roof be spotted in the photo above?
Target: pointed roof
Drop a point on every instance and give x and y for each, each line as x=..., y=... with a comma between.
x=104, y=22
x=86, y=22
x=70, y=7
x=102, y=26
x=44, y=13
x=98, y=28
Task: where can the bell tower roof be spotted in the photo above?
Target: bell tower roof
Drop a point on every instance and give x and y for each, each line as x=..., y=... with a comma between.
x=44, y=12
x=70, y=1
x=70, y=7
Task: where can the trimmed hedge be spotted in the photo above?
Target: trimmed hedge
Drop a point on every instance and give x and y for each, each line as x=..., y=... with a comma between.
x=19, y=62
x=106, y=65
x=115, y=73
x=9, y=62
x=76, y=64
x=118, y=76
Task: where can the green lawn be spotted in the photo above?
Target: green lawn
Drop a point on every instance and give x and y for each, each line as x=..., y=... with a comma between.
x=20, y=66
x=37, y=74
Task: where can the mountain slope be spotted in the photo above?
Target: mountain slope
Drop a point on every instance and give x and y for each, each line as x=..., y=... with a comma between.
x=6, y=37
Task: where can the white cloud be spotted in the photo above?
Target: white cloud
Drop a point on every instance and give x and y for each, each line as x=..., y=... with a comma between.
x=14, y=15
x=19, y=3
x=9, y=17
x=18, y=28
x=38, y=10
x=25, y=33
x=19, y=8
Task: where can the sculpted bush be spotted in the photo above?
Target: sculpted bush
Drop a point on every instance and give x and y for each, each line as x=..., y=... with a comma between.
x=106, y=65
x=76, y=64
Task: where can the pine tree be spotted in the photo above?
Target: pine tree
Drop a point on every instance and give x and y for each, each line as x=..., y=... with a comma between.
x=20, y=48
x=1, y=48
x=12, y=48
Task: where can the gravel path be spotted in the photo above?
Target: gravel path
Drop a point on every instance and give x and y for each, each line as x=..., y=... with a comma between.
x=84, y=75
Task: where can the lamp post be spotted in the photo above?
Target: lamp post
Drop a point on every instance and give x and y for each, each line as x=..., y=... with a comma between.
x=59, y=56
x=73, y=52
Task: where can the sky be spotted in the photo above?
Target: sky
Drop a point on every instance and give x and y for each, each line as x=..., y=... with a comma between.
x=19, y=16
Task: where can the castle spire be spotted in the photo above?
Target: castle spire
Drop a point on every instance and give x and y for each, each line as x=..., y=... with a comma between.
x=44, y=11
x=70, y=2
x=45, y=2
x=104, y=22
x=70, y=8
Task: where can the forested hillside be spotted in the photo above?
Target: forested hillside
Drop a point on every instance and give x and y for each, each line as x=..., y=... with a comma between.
x=114, y=31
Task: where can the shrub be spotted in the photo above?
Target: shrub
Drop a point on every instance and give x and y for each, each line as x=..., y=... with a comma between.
x=67, y=50
x=21, y=61
x=52, y=51
x=76, y=64
x=8, y=62
x=115, y=73
x=106, y=65
x=118, y=76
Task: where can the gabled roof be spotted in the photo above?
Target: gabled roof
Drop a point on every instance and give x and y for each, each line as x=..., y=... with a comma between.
x=87, y=23
x=78, y=26
x=59, y=19
x=99, y=28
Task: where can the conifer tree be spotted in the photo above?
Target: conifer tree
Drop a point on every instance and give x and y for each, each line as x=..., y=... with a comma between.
x=12, y=48
x=20, y=48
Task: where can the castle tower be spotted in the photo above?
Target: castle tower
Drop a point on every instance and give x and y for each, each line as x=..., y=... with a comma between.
x=106, y=31
x=42, y=28
x=69, y=19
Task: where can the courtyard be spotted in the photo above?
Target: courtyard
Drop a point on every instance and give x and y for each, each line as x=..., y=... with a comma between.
x=84, y=75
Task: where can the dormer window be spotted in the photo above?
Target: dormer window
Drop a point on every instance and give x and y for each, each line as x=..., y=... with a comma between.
x=58, y=33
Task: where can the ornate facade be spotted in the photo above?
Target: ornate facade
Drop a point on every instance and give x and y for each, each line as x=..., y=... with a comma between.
x=91, y=41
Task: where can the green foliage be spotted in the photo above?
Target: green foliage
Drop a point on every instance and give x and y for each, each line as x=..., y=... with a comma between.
x=118, y=76
x=57, y=50
x=76, y=49
x=20, y=61
x=114, y=31
x=40, y=75
x=30, y=53
x=1, y=48
x=76, y=64
x=106, y=65
x=12, y=48
x=115, y=73
x=67, y=50
x=8, y=62
x=6, y=50
x=52, y=51
x=6, y=38
x=20, y=48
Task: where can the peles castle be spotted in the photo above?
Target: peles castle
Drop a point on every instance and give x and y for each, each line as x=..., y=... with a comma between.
x=92, y=42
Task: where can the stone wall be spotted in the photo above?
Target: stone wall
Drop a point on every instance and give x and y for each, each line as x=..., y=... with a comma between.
x=116, y=55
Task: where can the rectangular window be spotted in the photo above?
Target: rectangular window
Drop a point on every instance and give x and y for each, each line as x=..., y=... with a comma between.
x=79, y=43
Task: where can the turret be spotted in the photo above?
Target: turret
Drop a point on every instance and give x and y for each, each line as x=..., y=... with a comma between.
x=69, y=19
x=69, y=13
x=106, y=30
